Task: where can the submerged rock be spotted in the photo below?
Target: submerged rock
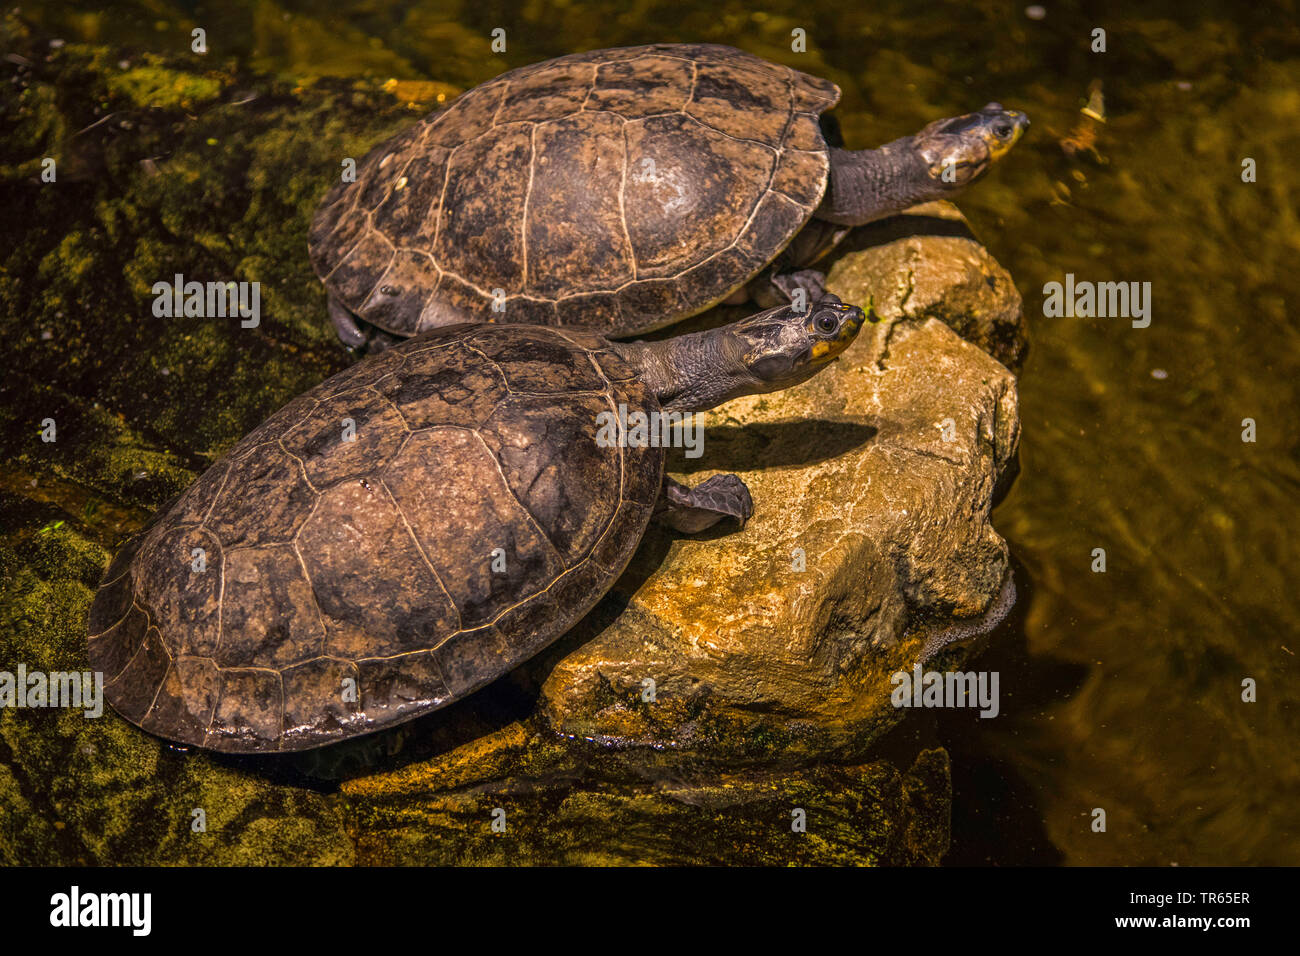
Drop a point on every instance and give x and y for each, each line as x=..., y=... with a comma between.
x=510, y=798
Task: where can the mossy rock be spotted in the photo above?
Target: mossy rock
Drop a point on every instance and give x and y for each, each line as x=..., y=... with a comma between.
x=511, y=798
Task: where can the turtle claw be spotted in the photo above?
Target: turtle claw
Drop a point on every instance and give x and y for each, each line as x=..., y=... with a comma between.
x=812, y=282
x=772, y=288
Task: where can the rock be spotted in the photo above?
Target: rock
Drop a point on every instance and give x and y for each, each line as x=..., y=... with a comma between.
x=872, y=483
x=926, y=263
x=441, y=812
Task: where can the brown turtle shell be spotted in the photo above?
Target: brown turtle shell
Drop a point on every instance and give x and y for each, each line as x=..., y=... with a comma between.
x=349, y=585
x=619, y=190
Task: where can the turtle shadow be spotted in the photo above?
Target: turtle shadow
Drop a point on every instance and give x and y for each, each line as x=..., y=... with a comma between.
x=325, y=769
x=920, y=222
x=775, y=445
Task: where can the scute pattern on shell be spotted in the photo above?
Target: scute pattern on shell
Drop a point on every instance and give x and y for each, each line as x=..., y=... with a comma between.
x=619, y=190
x=371, y=559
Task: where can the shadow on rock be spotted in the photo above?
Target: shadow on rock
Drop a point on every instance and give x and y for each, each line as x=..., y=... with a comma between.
x=774, y=445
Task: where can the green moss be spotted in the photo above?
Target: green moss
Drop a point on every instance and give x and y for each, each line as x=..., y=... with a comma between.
x=867, y=815
x=141, y=405
x=95, y=791
x=152, y=85
x=73, y=259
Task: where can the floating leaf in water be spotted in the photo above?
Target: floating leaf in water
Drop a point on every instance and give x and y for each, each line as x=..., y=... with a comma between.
x=1096, y=107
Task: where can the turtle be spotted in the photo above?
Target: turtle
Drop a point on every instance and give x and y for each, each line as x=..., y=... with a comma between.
x=421, y=523
x=621, y=190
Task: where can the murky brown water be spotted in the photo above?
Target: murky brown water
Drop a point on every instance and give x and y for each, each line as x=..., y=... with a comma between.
x=1121, y=690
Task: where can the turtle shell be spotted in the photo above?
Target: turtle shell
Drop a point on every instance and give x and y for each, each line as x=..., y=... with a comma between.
x=619, y=190
x=384, y=544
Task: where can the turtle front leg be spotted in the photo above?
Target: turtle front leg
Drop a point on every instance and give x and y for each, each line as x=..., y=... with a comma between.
x=368, y=340
x=691, y=510
x=345, y=324
x=772, y=287
x=811, y=281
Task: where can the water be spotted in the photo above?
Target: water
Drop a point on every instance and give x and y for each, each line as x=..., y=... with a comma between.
x=1121, y=690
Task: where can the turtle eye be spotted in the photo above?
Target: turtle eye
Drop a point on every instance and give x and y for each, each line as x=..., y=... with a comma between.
x=1002, y=130
x=828, y=323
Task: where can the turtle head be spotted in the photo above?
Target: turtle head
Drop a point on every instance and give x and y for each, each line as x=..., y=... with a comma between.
x=762, y=353
x=959, y=150
x=936, y=163
x=784, y=346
